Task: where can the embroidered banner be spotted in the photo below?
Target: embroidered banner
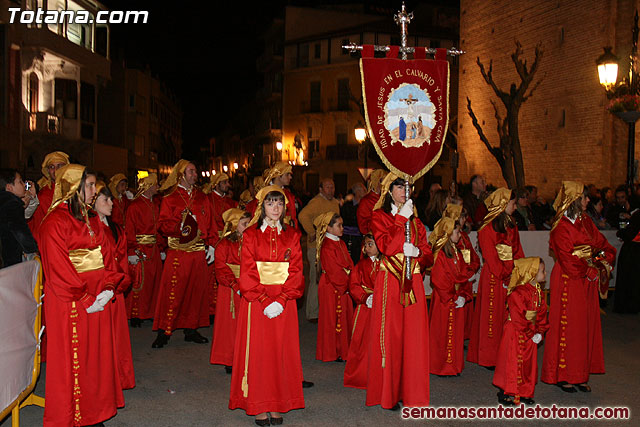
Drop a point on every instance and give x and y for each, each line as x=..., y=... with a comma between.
x=407, y=110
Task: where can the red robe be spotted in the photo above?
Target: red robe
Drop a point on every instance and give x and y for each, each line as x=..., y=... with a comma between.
x=224, y=328
x=119, y=212
x=336, y=309
x=82, y=383
x=219, y=204
x=45, y=197
x=573, y=349
x=517, y=365
x=142, y=220
x=267, y=351
x=361, y=284
x=491, y=309
x=449, y=280
x=116, y=257
x=365, y=210
x=183, y=299
x=291, y=208
x=251, y=207
x=465, y=244
x=399, y=347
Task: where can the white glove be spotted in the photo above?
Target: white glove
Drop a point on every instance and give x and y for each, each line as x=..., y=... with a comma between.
x=460, y=302
x=133, y=259
x=210, y=255
x=163, y=256
x=95, y=307
x=504, y=285
x=274, y=309
x=238, y=292
x=369, y=301
x=104, y=297
x=410, y=250
x=407, y=209
x=536, y=338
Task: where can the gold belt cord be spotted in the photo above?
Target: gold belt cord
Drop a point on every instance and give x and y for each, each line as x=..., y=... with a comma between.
x=245, y=382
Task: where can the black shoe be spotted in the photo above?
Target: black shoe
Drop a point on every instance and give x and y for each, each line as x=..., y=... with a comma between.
x=275, y=421
x=584, y=388
x=307, y=384
x=489, y=368
x=563, y=386
x=192, y=335
x=161, y=340
x=212, y=317
x=339, y=359
x=395, y=407
x=135, y=322
x=264, y=422
x=527, y=401
x=505, y=400
x=228, y=369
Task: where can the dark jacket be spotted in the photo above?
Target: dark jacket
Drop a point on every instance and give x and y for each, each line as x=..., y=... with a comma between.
x=15, y=236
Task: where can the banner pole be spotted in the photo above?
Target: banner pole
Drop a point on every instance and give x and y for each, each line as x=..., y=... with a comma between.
x=407, y=231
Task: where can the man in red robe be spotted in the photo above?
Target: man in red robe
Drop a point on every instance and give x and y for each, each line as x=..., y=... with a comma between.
x=365, y=207
x=118, y=187
x=145, y=252
x=216, y=191
x=52, y=162
x=185, y=218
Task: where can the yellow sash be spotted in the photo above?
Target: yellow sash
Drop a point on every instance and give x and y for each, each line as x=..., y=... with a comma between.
x=235, y=268
x=504, y=252
x=146, y=239
x=174, y=243
x=466, y=255
x=582, y=251
x=86, y=259
x=273, y=272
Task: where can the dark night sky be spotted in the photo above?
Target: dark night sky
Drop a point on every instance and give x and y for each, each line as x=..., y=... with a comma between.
x=205, y=51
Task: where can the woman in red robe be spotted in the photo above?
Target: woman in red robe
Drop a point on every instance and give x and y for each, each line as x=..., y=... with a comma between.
x=83, y=386
x=465, y=247
x=227, y=265
x=115, y=255
x=267, y=379
x=499, y=243
x=399, y=347
x=584, y=259
x=144, y=250
x=336, y=310
x=516, y=372
x=449, y=277
x=361, y=284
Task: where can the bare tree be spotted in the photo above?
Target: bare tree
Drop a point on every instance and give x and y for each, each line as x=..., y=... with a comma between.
x=508, y=152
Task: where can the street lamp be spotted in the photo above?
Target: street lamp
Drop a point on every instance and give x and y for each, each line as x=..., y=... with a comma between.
x=361, y=137
x=225, y=168
x=235, y=165
x=608, y=73
x=279, y=146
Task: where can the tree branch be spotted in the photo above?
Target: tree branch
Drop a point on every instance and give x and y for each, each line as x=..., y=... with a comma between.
x=495, y=151
x=488, y=77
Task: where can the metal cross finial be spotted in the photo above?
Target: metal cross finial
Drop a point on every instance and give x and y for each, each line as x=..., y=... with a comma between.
x=403, y=19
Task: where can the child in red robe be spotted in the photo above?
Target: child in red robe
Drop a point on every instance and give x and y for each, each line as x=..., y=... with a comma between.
x=499, y=243
x=361, y=283
x=465, y=247
x=517, y=367
x=227, y=265
x=449, y=276
x=336, y=310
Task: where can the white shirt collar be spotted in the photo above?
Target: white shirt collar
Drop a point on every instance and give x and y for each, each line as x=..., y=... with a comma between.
x=373, y=258
x=216, y=191
x=332, y=236
x=185, y=188
x=103, y=218
x=394, y=209
x=573, y=221
x=265, y=225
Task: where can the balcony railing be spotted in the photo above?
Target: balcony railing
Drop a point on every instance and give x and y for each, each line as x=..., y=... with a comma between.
x=44, y=123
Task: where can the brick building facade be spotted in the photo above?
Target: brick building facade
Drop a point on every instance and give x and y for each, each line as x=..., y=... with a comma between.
x=565, y=131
